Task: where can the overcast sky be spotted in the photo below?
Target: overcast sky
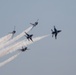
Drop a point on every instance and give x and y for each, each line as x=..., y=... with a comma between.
x=48, y=56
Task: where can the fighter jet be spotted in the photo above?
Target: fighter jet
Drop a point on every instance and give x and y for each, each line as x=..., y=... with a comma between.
x=29, y=37
x=24, y=49
x=13, y=32
x=55, y=32
x=34, y=24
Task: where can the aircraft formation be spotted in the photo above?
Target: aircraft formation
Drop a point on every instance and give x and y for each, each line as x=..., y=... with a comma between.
x=21, y=46
x=29, y=36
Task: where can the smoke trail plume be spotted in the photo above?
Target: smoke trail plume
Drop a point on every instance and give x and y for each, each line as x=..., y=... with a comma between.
x=23, y=43
x=26, y=43
x=16, y=38
x=5, y=38
x=34, y=40
x=9, y=48
x=9, y=60
x=19, y=45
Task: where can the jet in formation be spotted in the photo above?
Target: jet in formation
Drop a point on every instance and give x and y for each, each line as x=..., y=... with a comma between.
x=24, y=49
x=28, y=36
x=13, y=32
x=55, y=32
x=35, y=24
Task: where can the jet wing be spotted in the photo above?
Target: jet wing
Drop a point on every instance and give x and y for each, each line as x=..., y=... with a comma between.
x=59, y=31
x=31, y=39
x=55, y=35
x=55, y=29
x=26, y=34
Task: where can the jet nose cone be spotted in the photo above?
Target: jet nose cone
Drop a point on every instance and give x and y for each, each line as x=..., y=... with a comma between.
x=36, y=23
x=14, y=31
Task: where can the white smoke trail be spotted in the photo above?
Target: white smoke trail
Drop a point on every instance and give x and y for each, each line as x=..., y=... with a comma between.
x=24, y=43
x=19, y=45
x=5, y=38
x=16, y=38
x=34, y=40
x=9, y=60
x=12, y=47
